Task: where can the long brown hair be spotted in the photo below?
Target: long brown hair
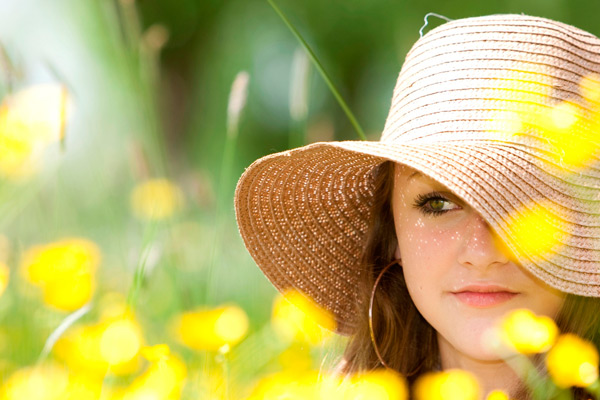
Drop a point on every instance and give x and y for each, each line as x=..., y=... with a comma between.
x=407, y=342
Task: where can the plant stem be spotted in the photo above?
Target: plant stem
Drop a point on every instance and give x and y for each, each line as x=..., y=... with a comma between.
x=140, y=269
x=235, y=106
x=594, y=389
x=321, y=70
x=299, y=92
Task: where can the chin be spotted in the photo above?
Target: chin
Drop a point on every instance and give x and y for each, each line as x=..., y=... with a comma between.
x=479, y=345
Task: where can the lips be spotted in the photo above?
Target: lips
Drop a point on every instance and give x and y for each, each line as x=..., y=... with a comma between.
x=483, y=296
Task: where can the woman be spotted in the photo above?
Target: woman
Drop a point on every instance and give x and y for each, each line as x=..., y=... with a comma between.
x=481, y=197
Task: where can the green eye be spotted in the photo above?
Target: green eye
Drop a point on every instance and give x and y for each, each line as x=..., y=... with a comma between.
x=434, y=203
x=437, y=204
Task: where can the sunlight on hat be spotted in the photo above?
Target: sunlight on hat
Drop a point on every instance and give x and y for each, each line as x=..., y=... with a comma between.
x=574, y=140
x=572, y=362
x=590, y=89
x=535, y=228
x=570, y=127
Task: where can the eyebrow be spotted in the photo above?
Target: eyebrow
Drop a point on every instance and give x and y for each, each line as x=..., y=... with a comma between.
x=414, y=175
x=425, y=178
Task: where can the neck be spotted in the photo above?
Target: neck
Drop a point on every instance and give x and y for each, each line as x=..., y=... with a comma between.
x=491, y=374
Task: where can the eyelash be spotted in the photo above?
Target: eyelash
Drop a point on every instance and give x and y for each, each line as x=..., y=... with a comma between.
x=422, y=200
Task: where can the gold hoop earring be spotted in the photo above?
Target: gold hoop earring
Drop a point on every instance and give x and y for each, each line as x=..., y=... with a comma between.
x=373, y=341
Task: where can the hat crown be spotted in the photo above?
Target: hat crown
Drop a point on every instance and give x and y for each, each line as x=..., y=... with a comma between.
x=482, y=106
x=474, y=78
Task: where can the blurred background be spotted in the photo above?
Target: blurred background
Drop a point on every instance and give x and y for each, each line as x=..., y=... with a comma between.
x=122, y=135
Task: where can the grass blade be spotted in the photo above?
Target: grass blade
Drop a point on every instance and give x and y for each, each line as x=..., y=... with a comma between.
x=321, y=70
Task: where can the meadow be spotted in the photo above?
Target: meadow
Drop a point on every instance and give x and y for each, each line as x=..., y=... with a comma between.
x=124, y=127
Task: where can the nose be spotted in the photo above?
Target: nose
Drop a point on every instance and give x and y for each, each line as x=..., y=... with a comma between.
x=481, y=247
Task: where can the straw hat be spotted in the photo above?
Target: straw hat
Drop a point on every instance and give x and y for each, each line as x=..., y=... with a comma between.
x=504, y=110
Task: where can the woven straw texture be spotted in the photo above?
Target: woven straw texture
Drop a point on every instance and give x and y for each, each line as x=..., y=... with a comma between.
x=304, y=214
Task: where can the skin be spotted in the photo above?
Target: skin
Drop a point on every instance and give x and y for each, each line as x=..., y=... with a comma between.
x=449, y=254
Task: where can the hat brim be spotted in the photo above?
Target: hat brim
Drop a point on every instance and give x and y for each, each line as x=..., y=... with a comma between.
x=304, y=213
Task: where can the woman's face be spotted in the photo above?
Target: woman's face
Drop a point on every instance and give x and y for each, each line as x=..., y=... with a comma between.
x=458, y=274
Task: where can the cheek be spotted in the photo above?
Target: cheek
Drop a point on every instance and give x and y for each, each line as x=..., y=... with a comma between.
x=429, y=254
x=421, y=244
x=546, y=301
x=423, y=255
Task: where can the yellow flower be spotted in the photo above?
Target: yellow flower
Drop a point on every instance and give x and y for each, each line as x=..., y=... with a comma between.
x=51, y=382
x=497, y=395
x=4, y=277
x=295, y=358
x=212, y=329
x=156, y=199
x=47, y=382
x=377, y=385
x=163, y=379
x=16, y=154
x=156, y=353
x=30, y=120
x=572, y=362
x=5, y=248
x=452, y=384
x=299, y=386
x=111, y=343
x=535, y=230
x=120, y=341
x=83, y=386
x=64, y=270
x=297, y=317
x=527, y=333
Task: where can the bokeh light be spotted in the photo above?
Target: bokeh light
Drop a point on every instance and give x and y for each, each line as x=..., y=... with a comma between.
x=497, y=395
x=528, y=333
x=297, y=317
x=123, y=128
x=572, y=362
x=4, y=277
x=64, y=270
x=30, y=120
x=536, y=229
x=156, y=199
x=211, y=328
x=454, y=384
